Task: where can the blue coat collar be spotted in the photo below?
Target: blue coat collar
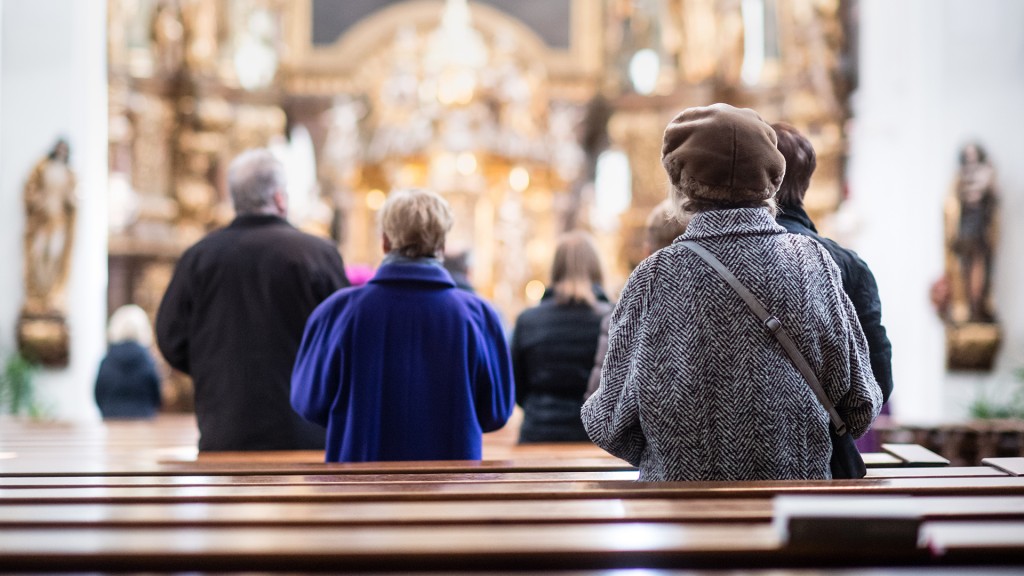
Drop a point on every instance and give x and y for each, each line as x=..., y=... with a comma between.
x=412, y=272
x=733, y=222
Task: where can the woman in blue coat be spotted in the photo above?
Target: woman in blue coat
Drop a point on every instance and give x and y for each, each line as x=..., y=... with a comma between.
x=407, y=367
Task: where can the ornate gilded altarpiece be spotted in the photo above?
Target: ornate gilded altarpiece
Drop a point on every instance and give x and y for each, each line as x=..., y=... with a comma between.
x=503, y=106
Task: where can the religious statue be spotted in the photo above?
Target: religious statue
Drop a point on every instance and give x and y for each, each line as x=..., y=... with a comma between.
x=199, y=19
x=167, y=35
x=970, y=234
x=49, y=226
x=965, y=294
x=50, y=208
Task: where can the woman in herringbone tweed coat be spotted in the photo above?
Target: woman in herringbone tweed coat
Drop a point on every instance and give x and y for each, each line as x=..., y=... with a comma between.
x=693, y=386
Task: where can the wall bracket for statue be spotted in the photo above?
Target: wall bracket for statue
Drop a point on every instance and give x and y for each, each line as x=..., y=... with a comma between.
x=50, y=209
x=964, y=295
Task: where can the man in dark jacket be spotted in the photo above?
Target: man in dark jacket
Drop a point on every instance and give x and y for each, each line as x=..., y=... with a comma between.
x=858, y=281
x=234, y=312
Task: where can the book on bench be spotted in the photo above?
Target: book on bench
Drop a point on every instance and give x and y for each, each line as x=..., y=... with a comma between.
x=844, y=521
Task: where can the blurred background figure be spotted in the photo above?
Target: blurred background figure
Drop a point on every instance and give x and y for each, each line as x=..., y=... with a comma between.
x=554, y=344
x=457, y=264
x=128, y=385
x=359, y=274
x=664, y=225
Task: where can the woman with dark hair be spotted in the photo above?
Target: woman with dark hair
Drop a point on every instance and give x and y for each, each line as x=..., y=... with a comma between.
x=554, y=343
x=695, y=386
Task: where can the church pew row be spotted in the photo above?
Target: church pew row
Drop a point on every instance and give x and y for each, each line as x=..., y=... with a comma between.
x=145, y=480
x=113, y=503
x=288, y=463
x=169, y=442
x=538, y=521
x=488, y=512
x=539, y=458
x=475, y=546
x=508, y=490
x=191, y=531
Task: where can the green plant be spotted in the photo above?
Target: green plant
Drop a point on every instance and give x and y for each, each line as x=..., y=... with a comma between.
x=17, y=386
x=986, y=408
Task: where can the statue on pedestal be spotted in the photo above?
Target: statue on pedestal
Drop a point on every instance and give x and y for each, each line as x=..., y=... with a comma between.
x=50, y=207
x=971, y=229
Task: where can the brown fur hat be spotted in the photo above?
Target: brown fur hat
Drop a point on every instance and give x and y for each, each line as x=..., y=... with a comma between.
x=730, y=151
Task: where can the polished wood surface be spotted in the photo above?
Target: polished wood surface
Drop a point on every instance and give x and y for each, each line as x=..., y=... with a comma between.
x=1012, y=466
x=505, y=490
x=719, y=510
x=915, y=455
x=397, y=477
x=567, y=545
x=166, y=446
x=934, y=472
x=403, y=476
x=136, y=496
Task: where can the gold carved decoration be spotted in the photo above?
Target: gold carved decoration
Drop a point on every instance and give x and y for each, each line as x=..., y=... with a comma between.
x=193, y=82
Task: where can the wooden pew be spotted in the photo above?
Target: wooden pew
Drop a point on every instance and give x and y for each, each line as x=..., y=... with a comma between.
x=468, y=547
x=404, y=475
x=510, y=490
x=167, y=446
x=526, y=510
x=275, y=513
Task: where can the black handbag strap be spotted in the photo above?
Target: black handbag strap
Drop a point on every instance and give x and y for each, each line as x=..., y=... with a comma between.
x=775, y=327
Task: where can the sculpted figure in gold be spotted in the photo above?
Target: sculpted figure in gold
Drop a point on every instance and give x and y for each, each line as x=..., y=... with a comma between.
x=50, y=208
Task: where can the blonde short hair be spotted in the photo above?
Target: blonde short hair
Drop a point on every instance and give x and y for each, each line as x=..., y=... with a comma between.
x=415, y=222
x=576, y=269
x=130, y=324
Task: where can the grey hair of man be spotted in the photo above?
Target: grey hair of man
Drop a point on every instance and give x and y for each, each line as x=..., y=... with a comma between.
x=256, y=180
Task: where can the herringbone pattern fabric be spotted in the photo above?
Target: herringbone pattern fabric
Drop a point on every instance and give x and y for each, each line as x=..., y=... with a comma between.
x=695, y=388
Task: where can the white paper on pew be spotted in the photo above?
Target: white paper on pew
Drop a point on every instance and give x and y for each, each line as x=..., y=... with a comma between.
x=829, y=521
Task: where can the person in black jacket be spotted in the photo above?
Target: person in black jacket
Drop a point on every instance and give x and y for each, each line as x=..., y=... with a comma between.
x=233, y=315
x=127, y=384
x=553, y=344
x=858, y=281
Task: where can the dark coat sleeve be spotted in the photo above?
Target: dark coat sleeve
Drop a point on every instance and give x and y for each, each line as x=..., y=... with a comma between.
x=602, y=348
x=330, y=275
x=863, y=292
x=174, y=318
x=153, y=381
x=519, y=363
x=494, y=387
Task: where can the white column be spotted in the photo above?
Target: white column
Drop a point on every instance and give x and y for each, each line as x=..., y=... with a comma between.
x=53, y=83
x=935, y=74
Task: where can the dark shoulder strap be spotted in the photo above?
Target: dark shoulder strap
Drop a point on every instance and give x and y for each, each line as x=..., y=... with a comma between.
x=775, y=327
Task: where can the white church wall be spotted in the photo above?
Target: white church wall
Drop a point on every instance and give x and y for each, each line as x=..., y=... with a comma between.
x=53, y=83
x=933, y=76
